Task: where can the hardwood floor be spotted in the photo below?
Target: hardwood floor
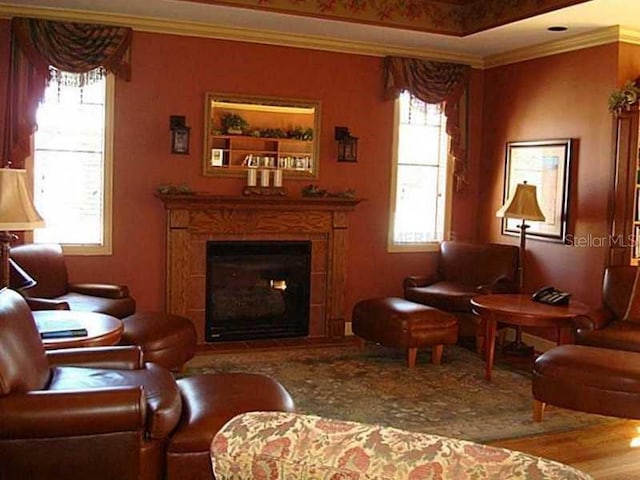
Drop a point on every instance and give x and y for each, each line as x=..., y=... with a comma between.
x=606, y=452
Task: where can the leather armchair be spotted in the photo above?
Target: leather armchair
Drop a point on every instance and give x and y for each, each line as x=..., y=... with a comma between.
x=97, y=413
x=465, y=270
x=615, y=324
x=53, y=291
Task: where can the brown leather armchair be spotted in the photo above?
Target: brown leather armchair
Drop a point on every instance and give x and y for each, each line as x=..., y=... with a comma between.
x=465, y=270
x=102, y=413
x=613, y=325
x=109, y=419
x=46, y=264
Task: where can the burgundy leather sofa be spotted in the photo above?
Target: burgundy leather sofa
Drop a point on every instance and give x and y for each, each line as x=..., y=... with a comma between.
x=465, y=270
x=102, y=413
x=53, y=291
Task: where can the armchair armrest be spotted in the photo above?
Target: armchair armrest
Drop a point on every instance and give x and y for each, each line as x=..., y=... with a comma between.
x=37, y=303
x=126, y=357
x=72, y=412
x=594, y=320
x=419, y=280
x=100, y=290
x=502, y=284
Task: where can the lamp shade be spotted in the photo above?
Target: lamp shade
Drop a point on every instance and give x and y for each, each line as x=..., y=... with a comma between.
x=16, y=208
x=523, y=204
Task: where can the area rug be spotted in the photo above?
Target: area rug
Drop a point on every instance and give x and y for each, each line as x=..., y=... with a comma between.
x=373, y=385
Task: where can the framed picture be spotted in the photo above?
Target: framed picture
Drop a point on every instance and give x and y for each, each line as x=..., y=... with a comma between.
x=547, y=165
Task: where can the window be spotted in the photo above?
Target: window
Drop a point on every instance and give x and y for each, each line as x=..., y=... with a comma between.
x=72, y=166
x=420, y=181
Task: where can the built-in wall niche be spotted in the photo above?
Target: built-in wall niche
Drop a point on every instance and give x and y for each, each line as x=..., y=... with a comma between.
x=243, y=132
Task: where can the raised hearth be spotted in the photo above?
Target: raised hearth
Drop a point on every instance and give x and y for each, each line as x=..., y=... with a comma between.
x=195, y=220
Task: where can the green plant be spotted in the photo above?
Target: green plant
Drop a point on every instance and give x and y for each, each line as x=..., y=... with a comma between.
x=624, y=98
x=234, y=123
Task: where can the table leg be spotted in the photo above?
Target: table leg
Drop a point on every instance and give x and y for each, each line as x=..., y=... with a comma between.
x=489, y=344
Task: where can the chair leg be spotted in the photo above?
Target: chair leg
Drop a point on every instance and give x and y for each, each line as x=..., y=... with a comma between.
x=412, y=353
x=480, y=345
x=436, y=354
x=538, y=410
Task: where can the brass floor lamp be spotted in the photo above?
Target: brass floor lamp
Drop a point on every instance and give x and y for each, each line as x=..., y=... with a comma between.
x=17, y=213
x=522, y=205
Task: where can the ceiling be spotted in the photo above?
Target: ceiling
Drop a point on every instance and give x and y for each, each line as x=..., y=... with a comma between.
x=586, y=20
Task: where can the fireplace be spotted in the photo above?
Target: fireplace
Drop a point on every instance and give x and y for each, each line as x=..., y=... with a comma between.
x=257, y=289
x=195, y=220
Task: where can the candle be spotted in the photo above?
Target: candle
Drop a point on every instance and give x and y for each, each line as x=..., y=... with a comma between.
x=264, y=178
x=252, y=177
x=277, y=178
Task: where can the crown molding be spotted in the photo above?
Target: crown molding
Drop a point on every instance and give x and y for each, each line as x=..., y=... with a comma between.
x=221, y=32
x=268, y=37
x=578, y=42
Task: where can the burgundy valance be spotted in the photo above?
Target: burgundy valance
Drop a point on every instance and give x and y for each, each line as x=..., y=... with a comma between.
x=75, y=52
x=434, y=82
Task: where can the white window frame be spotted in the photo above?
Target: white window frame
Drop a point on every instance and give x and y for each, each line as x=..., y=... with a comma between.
x=432, y=246
x=105, y=247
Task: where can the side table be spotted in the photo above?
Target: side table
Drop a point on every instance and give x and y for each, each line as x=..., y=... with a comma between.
x=520, y=310
x=101, y=329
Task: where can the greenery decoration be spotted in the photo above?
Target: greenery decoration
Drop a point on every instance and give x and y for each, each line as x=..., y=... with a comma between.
x=234, y=123
x=623, y=99
x=175, y=190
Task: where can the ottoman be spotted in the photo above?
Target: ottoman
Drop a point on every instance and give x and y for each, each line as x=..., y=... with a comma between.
x=587, y=379
x=208, y=403
x=396, y=322
x=165, y=339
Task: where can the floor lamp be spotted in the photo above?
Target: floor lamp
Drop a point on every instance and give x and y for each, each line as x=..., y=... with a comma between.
x=522, y=205
x=16, y=213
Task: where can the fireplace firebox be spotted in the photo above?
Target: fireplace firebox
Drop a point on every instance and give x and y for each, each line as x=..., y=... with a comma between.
x=257, y=289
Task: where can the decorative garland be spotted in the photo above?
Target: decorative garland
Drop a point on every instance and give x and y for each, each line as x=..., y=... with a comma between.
x=625, y=98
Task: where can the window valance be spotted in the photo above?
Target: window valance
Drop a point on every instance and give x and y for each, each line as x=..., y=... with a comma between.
x=434, y=82
x=76, y=53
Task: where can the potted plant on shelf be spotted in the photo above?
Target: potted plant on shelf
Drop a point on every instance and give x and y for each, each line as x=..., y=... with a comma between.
x=625, y=98
x=234, y=124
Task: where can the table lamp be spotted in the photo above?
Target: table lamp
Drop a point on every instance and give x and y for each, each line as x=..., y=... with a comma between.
x=522, y=205
x=16, y=213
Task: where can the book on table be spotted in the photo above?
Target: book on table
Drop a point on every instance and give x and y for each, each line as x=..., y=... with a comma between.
x=60, y=328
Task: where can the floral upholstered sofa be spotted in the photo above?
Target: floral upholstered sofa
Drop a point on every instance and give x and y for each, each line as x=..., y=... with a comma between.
x=289, y=446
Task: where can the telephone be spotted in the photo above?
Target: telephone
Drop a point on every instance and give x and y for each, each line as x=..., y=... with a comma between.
x=551, y=296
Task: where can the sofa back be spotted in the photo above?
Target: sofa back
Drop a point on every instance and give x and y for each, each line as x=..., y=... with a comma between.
x=23, y=363
x=477, y=264
x=46, y=264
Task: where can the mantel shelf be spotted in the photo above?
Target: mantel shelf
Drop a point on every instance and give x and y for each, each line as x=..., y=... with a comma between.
x=198, y=200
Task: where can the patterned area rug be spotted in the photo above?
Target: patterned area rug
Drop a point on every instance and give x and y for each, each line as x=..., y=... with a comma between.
x=373, y=385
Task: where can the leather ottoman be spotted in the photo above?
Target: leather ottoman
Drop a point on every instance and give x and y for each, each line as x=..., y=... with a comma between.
x=208, y=403
x=166, y=339
x=587, y=379
x=396, y=322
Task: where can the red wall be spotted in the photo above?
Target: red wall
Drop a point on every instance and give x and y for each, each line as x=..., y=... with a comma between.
x=170, y=76
x=560, y=96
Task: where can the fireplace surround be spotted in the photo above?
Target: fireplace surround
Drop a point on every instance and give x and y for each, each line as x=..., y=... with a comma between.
x=194, y=220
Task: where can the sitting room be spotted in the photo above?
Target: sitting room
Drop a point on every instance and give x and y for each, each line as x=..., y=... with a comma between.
x=334, y=214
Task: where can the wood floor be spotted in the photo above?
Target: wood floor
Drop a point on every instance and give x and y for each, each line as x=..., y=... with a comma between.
x=606, y=452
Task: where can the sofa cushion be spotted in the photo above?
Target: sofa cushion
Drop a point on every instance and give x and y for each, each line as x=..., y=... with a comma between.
x=445, y=295
x=285, y=445
x=164, y=403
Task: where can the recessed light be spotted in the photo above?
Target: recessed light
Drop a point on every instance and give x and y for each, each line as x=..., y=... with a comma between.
x=557, y=28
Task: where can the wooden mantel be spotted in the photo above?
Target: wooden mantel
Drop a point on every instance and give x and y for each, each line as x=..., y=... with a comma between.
x=193, y=220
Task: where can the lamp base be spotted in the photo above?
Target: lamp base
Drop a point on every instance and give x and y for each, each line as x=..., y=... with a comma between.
x=5, y=243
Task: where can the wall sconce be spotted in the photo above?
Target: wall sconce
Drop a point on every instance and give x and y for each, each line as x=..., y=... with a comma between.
x=347, y=145
x=179, y=134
